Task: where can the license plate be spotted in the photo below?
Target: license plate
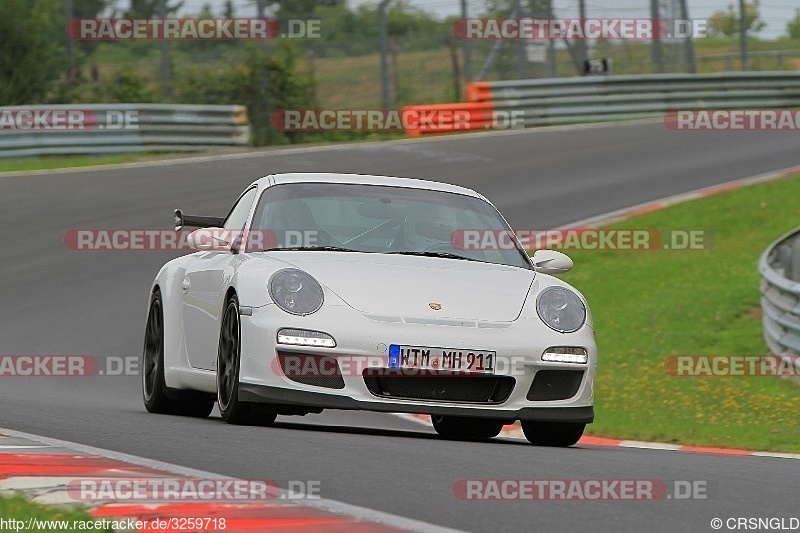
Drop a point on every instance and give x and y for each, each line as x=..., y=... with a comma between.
x=446, y=359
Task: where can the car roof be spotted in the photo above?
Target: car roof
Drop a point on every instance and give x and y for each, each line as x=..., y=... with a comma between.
x=366, y=179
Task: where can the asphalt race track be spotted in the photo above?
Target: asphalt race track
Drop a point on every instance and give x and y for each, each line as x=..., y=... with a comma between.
x=59, y=301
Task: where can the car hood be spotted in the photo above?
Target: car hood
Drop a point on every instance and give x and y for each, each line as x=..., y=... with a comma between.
x=410, y=287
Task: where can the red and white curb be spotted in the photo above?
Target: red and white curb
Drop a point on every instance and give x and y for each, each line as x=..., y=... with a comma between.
x=42, y=469
x=657, y=205
x=513, y=431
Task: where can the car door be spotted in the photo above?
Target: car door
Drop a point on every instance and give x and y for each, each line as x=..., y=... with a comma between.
x=203, y=289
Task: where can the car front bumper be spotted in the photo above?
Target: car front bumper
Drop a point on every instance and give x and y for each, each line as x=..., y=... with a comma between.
x=519, y=346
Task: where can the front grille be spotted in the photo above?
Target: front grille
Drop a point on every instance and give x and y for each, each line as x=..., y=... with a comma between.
x=441, y=387
x=315, y=370
x=549, y=385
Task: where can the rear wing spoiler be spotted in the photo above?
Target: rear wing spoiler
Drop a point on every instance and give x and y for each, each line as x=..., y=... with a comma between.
x=193, y=221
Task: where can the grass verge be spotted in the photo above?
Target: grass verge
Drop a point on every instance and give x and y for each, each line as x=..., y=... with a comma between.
x=49, y=163
x=36, y=517
x=649, y=305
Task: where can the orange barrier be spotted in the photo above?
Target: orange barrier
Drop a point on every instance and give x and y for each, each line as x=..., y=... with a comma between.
x=479, y=91
x=448, y=118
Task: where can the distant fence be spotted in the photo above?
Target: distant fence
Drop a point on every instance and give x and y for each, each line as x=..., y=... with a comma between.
x=119, y=128
x=779, y=267
x=554, y=101
x=733, y=60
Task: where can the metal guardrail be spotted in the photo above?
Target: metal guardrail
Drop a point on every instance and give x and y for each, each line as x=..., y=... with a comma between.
x=779, y=267
x=595, y=99
x=555, y=101
x=120, y=128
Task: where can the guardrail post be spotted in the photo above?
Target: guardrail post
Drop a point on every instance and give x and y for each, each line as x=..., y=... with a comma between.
x=779, y=266
x=793, y=272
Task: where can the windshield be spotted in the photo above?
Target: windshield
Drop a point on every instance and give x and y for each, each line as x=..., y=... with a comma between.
x=380, y=219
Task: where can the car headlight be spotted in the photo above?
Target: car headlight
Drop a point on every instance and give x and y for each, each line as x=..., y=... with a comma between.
x=561, y=309
x=295, y=291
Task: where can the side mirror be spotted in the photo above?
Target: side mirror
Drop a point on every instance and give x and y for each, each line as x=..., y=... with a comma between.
x=211, y=240
x=551, y=262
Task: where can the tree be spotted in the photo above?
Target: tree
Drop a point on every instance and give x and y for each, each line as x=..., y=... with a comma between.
x=32, y=54
x=88, y=9
x=146, y=9
x=535, y=8
x=229, y=12
x=726, y=23
x=286, y=9
x=793, y=26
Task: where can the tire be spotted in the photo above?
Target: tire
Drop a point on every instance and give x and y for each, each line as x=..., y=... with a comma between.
x=158, y=398
x=231, y=409
x=557, y=434
x=460, y=428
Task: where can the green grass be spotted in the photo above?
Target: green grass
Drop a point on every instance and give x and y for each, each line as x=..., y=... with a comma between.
x=649, y=305
x=47, y=163
x=17, y=508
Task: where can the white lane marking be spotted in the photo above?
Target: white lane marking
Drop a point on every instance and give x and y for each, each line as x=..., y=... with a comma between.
x=40, y=489
x=777, y=455
x=267, y=152
x=334, y=506
x=649, y=445
x=412, y=418
x=512, y=433
x=20, y=447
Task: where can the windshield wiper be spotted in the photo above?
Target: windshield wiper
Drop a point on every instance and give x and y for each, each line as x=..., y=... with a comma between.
x=443, y=255
x=312, y=249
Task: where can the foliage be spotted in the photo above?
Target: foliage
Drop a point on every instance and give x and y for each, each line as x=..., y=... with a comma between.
x=726, y=23
x=146, y=9
x=264, y=81
x=793, y=26
x=32, y=53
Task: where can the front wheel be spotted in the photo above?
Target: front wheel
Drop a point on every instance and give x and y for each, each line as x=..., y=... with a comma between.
x=557, y=434
x=231, y=409
x=157, y=397
x=461, y=428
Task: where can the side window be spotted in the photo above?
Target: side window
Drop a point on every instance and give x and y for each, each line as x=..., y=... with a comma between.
x=237, y=218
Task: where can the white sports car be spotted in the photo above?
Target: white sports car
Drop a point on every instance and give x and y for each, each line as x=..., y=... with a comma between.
x=360, y=292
